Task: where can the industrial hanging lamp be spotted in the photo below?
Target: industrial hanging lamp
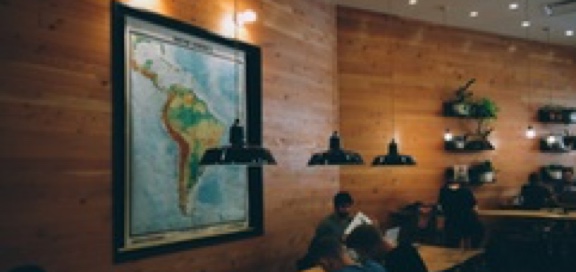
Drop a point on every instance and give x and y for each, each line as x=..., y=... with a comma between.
x=530, y=132
x=393, y=158
x=335, y=155
x=238, y=152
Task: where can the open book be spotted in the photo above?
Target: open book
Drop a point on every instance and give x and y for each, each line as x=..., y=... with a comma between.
x=359, y=219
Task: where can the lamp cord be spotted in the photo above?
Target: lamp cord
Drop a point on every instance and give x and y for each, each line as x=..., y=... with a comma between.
x=547, y=29
x=236, y=69
x=530, y=87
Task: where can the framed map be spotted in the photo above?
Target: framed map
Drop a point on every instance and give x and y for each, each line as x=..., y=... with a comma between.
x=176, y=91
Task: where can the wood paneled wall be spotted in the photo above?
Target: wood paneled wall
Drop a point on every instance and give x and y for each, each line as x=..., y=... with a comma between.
x=393, y=76
x=55, y=132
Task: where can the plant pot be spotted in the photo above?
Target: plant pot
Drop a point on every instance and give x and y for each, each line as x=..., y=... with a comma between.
x=462, y=109
x=554, y=173
x=487, y=177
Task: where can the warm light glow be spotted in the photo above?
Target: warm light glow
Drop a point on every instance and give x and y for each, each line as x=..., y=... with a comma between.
x=569, y=32
x=530, y=132
x=412, y=2
x=156, y=5
x=448, y=136
x=246, y=17
x=473, y=13
x=228, y=26
x=525, y=23
x=550, y=139
x=513, y=6
x=236, y=30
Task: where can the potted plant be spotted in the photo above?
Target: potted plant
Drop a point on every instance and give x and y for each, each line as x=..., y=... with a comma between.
x=554, y=171
x=484, y=172
x=557, y=114
x=461, y=105
x=485, y=108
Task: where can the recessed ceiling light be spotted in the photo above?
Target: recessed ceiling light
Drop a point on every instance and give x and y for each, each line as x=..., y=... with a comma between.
x=473, y=13
x=412, y=2
x=569, y=32
x=513, y=6
x=525, y=23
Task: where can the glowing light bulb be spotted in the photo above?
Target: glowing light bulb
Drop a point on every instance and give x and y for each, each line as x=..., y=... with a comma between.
x=247, y=16
x=448, y=136
x=550, y=139
x=530, y=132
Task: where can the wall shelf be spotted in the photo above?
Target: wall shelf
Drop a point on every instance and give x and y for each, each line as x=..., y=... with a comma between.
x=557, y=114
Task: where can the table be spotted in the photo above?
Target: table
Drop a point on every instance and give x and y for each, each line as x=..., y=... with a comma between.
x=439, y=258
x=544, y=237
x=529, y=214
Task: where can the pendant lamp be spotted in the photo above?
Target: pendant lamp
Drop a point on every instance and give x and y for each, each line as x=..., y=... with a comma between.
x=393, y=157
x=530, y=132
x=335, y=155
x=237, y=153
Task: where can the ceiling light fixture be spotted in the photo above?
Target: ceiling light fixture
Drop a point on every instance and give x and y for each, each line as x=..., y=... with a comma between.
x=246, y=17
x=569, y=33
x=513, y=6
x=525, y=23
x=412, y=2
x=473, y=13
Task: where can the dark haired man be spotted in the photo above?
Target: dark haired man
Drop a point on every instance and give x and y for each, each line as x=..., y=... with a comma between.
x=332, y=226
x=335, y=224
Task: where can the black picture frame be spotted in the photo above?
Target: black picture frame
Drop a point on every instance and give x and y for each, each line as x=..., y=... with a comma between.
x=127, y=244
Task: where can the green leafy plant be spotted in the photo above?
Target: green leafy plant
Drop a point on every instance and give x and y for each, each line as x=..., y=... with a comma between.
x=485, y=108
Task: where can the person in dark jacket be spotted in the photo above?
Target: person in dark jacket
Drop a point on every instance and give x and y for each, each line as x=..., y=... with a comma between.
x=534, y=195
x=419, y=224
x=462, y=228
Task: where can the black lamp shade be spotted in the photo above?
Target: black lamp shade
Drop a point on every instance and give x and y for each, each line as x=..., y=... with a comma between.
x=237, y=153
x=335, y=155
x=393, y=158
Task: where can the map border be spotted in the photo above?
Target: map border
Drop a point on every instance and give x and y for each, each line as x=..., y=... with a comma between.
x=123, y=251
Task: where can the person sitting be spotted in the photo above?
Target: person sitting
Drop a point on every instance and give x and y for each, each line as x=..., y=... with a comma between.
x=336, y=223
x=534, y=195
x=419, y=224
x=332, y=256
x=566, y=182
x=368, y=243
x=332, y=225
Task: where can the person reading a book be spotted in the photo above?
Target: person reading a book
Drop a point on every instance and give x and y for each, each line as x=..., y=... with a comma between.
x=332, y=256
x=336, y=223
x=367, y=241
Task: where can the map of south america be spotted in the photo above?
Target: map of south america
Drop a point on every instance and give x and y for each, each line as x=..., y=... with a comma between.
x=188, y=121
x=179, y=108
